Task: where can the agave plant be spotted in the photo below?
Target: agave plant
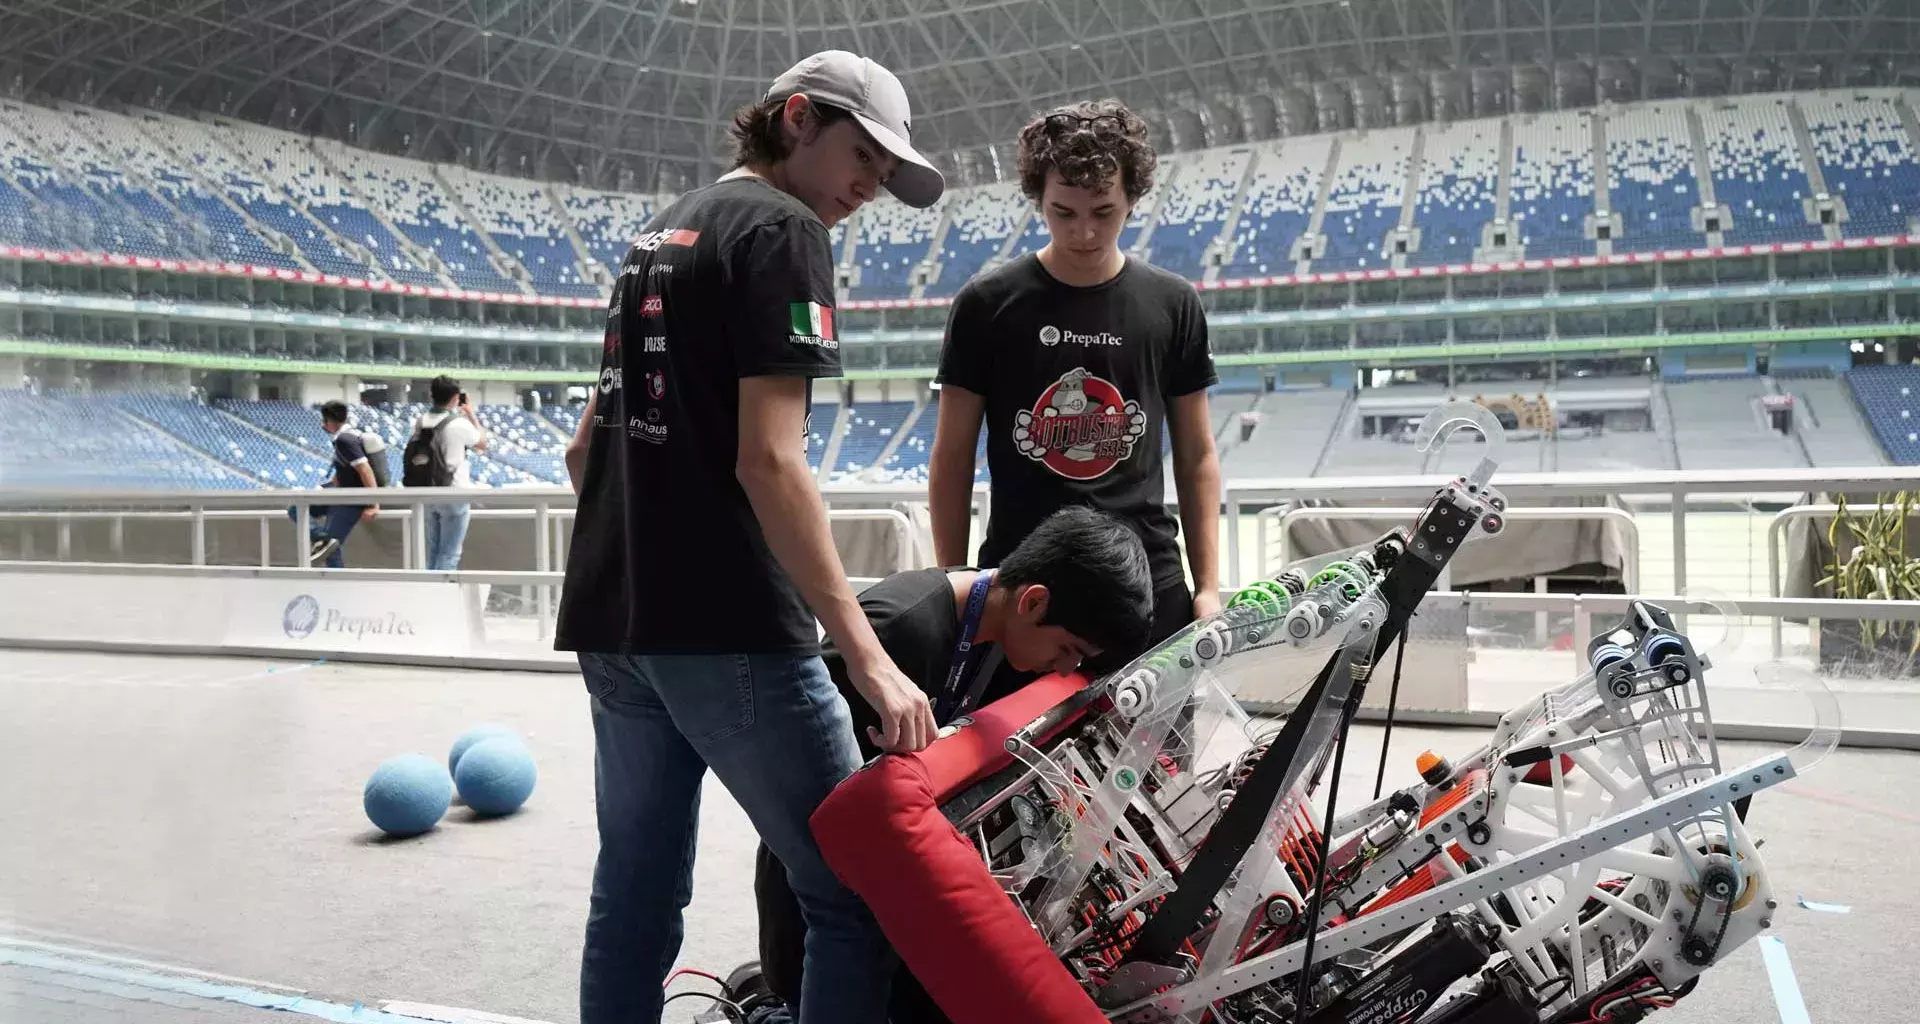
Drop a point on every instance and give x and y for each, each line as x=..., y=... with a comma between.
x=1878, y=568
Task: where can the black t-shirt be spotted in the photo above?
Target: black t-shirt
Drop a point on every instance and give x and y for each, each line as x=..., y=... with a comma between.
x=349, y=450
x=732, y=280
x=918, y=622
x=1076, y=383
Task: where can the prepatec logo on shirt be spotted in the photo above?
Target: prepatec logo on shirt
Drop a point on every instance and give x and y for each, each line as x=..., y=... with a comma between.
x=1051, y=336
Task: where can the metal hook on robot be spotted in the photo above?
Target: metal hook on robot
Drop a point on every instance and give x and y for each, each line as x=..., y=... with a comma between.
x=1439, y=426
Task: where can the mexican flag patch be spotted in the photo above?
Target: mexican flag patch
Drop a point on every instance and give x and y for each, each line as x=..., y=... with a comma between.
x=811, y=320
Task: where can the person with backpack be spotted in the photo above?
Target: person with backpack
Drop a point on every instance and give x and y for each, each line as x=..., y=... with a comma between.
x=436, y=456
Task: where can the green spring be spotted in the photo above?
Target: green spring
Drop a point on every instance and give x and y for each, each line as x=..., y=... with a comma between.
x=1351, y=578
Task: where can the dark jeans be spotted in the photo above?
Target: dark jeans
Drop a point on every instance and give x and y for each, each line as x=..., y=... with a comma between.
x=778, y=735
x=336, y=521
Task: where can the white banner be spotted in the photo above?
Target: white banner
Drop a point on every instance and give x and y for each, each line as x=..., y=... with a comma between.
x=323, y=615
x=316, y=615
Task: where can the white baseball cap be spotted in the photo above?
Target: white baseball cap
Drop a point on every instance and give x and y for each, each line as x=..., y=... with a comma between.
x=875, y=98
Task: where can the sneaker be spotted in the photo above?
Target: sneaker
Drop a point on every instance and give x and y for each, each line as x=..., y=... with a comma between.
x=773, y=1013
x=322, y=548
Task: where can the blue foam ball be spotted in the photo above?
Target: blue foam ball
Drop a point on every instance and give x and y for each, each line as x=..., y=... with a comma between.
x=479, y=733
x=496, y=776
x=407, y=795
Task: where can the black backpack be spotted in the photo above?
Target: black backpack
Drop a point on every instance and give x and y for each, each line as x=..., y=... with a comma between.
x=424, y=464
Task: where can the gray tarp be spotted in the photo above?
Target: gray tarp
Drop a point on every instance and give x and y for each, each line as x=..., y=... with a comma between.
x=1523, y=549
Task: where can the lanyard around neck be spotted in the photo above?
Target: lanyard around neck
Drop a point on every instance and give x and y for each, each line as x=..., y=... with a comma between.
x=954, y=699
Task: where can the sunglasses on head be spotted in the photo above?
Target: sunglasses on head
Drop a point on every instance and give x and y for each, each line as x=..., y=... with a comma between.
x=1100, y=125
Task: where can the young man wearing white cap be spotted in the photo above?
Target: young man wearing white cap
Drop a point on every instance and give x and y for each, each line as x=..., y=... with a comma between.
x=701, y=554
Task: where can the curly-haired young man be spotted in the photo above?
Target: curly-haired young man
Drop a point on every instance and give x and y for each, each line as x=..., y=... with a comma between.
x=1076, y=356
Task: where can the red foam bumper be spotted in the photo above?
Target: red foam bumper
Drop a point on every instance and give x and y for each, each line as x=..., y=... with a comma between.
x=964, y=939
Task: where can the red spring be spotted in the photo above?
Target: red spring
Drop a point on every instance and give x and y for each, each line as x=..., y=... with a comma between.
x=1300, y=851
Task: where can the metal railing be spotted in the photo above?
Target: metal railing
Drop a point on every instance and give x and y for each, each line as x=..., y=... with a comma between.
x=1581, y=610
x=1289, y=517
x=550, y=537
x=1532, y=489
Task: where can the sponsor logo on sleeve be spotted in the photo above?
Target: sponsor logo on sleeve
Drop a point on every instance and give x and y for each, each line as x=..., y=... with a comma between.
x=653, y=240
x=653, y=346
x=609, y=380
x=656, y=384
x=651, y=306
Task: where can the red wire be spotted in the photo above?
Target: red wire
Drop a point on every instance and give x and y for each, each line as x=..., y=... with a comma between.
x=696, y=973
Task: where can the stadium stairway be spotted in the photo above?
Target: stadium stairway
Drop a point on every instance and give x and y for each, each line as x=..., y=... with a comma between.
x=421, y=257
x=226, y=439
x=508, y=267
x=585, y=266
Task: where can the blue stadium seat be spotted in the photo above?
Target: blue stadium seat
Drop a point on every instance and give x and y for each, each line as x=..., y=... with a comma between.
x=1890, y=397
x=73, y=442
x=274, y=462
x=522, y=221
x=1654, y=188
x=1866, y=159
x=1364, y=204
x=869, y=427
x=892, y=239
x=1757, y=174
x=1195, y=209
x=1279, y=205
x=1460, y=171
x=1551, y=192
x=608, y=222
x=983, y=219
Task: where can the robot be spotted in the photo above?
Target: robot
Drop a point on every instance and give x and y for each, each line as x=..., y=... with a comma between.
x=1137, y=849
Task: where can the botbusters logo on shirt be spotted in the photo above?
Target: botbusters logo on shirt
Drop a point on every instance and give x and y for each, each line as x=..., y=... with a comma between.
x=1051, y=336
x=305, y=616
x=1080, y=427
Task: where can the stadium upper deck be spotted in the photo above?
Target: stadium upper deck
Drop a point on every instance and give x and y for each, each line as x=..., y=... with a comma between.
x=1755, y=174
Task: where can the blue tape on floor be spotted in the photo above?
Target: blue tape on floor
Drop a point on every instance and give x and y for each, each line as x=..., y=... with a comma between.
x=283, y=1002
x=1825, y=908
x=1786, y=989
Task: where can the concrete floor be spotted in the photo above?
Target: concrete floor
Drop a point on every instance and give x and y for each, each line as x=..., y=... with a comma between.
x=206, y=813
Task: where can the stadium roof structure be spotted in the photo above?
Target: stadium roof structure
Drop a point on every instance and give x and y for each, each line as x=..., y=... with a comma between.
x=634, y=93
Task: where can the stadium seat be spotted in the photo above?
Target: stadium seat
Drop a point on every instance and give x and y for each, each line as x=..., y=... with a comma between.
x=1196, y=207
x=1866, y=159
x=1757, y=174
x=1551, y=193
x=982, y=220
x=1363, y=206
x=1654, y=188
x=520, y=218
x=1890, y=397
x=891, y=240
x=1460, y=171
x=72, y=442
x=608, y=222
x=1279, y=205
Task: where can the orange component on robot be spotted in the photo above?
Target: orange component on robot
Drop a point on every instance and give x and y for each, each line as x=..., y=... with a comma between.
x=1469, y=784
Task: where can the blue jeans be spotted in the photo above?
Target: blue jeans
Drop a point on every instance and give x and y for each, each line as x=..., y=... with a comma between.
x=330, y=521
x=779, y=737
x=446, y=535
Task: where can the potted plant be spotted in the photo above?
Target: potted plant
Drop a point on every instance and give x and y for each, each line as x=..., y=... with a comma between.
x=1870, y=563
